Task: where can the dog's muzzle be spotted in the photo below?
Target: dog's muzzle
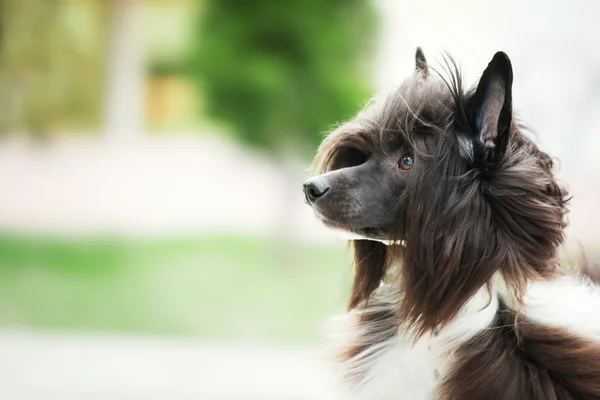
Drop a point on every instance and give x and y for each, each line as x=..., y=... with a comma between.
x=314, y=189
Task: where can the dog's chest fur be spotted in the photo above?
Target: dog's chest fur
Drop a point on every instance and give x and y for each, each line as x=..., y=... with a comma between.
x=378, y=360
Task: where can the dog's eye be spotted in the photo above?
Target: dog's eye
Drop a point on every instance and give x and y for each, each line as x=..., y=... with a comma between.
x=406, y=162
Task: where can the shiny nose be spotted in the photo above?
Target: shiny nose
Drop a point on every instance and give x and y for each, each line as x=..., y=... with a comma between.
x=314, y=189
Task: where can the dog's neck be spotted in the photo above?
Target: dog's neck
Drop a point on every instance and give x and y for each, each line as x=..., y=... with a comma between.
x=512, y=280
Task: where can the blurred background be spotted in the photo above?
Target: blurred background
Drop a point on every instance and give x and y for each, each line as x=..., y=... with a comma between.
x=154, y=243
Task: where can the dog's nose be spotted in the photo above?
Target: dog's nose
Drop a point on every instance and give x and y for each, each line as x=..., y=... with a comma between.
x=314, y=189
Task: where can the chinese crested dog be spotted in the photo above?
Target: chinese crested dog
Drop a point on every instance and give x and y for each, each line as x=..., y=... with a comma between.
x=458, y=220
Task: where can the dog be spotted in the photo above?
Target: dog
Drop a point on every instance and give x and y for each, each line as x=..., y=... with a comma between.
x=457, y=220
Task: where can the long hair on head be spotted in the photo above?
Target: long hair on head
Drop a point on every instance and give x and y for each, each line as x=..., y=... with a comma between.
x=487, y=202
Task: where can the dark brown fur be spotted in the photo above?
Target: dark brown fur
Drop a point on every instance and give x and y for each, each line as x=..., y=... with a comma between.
x=479, y=218
x=519, y=360
x=509, y=219
x=370, y=265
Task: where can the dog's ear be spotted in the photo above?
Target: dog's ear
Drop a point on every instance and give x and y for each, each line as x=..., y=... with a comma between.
x=490, y=110
x=421, y=63
x=370, y=261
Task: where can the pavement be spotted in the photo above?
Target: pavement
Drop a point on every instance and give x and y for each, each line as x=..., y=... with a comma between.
x=45, y=366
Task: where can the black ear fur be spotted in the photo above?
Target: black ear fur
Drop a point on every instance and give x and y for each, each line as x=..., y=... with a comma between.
x=421, y=62
x=490, y=110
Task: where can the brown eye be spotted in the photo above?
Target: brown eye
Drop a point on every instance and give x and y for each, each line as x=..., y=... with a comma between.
x=406, y=162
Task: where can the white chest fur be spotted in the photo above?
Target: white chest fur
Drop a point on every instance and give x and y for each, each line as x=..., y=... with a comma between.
x=391, y=366
x=397, y=367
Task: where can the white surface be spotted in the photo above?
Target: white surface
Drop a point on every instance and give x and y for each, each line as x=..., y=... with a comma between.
x=69, y=367
x=147, y=187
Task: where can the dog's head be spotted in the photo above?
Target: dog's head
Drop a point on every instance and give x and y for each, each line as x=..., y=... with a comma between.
x=453, y=175
x=367, y=163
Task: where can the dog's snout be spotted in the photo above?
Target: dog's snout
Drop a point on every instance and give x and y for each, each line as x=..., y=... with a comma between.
x=314, y=189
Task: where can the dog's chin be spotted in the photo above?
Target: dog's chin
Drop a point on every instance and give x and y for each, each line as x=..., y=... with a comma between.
x=347, y=233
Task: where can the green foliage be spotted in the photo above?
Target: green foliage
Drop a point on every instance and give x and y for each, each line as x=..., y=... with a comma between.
x=284, y=72
x=51, y=63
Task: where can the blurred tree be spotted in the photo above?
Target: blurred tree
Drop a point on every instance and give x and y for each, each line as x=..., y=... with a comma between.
x=281, y=73
x=50, y=64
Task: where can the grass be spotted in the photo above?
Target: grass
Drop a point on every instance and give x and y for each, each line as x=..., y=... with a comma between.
x=229, y=288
